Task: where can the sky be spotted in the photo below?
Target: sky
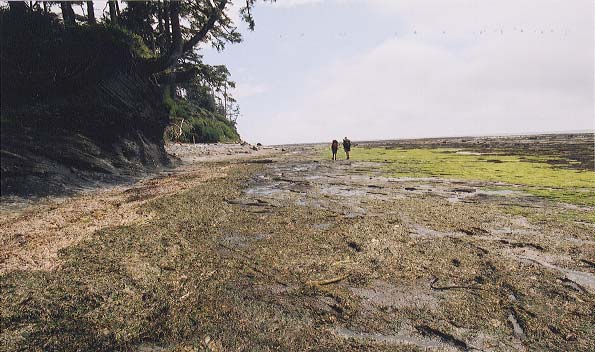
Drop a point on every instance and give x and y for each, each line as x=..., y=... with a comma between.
x=317, y=70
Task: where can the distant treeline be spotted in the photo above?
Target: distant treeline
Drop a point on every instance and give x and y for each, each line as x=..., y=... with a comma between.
x=55, y=50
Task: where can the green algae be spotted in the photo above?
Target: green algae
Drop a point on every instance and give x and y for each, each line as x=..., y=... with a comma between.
x=535, y=175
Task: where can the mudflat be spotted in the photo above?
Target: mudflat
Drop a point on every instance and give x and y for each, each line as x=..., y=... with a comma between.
x=435, y=244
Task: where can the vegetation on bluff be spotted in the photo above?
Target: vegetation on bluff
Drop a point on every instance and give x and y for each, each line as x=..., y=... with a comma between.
x=51, y=54
x=84, y=95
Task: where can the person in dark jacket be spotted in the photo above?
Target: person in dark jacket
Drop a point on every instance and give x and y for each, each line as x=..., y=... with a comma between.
x=347, y=146
x=334, y=148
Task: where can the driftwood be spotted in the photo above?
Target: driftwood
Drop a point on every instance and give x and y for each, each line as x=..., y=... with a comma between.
x=180, y=132
x=328, y=281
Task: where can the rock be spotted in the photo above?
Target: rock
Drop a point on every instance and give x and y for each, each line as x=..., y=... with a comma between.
x=355, y=246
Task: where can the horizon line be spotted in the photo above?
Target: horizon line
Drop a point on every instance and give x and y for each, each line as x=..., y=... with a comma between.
x=570, y=132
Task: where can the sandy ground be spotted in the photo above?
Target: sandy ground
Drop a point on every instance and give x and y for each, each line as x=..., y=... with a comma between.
x=279, y=250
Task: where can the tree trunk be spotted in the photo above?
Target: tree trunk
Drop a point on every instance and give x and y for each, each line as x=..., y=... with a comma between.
x=112, y=12
x=67, y=14
x=207, y=27
x=160, y=30
x=176, y=39
x=91, y=12
x=176, y=51
x=133, y=17
x=45, y=7
x=176, y=31
x=160, y=17
x=167, y=26
x=225, y=99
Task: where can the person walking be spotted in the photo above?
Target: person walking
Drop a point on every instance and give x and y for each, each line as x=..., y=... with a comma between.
x=346, y=146
x=334, y=148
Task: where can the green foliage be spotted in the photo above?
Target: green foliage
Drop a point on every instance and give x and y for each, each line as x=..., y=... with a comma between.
x=199, y=125
x=209, y=131
x=132, y=41
x=533, y=173
x=211, y=88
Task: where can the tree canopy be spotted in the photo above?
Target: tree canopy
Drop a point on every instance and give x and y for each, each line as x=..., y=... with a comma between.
x=171, y=34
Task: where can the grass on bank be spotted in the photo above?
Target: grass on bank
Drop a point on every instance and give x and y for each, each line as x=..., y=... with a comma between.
x=534, y=174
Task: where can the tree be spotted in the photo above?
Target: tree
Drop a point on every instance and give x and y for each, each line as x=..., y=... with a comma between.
x=91, y=13
x=67, y=14
x=204, y=21
x=167, y=32
x=139, y=18
x=203, y=16
x=112, y=12
x=173, y=30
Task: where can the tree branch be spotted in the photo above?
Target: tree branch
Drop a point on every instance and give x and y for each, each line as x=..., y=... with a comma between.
x=177, y=52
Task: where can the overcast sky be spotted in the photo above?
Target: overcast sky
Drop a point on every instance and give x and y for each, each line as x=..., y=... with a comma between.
x=376, y=69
